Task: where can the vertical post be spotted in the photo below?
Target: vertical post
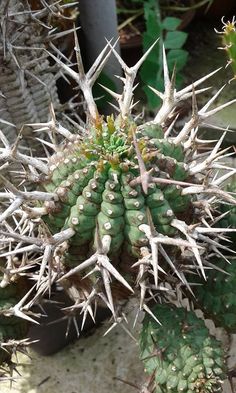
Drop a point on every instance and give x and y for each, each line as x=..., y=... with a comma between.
x=98, y=19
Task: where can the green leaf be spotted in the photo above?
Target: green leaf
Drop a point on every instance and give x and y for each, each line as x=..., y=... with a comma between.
x=150, y=70
x=177, y=57
x=175, y=39
x=171, y=23
x=147, y=42
x=153, y=22
x=98, y=91
x=153, y=100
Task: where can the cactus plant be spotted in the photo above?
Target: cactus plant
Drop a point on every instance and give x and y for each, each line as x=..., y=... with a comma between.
x=228, y=219
x=122, y=190
x=119, y=209
x=216, y=297
x=228, y=35
x=27, y=84
x=13, y=330
x=180, y=352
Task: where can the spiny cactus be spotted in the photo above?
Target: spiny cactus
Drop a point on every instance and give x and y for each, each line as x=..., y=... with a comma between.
x=97, y=183
x=216, y=297
x=118, y=209
x=228, y=219
x=27, y=79
x=13, y=330
x=26, y=82
x=180, y=353
x=228, y=35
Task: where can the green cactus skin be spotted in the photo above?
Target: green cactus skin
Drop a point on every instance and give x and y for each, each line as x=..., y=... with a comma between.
x=217, y=295
x=229, y=220
x=180, y=352
x=11, y=327
x=229, y=42
x=92, y=180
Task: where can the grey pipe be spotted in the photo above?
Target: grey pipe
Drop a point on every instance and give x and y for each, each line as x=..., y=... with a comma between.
x=98, y=20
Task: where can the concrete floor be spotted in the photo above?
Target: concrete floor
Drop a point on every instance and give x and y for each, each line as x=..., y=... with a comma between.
x=91, y=365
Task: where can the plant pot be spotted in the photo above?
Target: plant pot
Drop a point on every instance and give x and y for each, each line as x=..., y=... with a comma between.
x=217, y=10
x=51, y=333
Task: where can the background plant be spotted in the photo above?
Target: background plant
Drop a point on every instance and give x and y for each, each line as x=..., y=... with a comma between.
x=173, y=40
x=159, y=22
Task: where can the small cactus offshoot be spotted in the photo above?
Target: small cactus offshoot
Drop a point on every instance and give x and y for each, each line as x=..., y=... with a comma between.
x=216, y=297
x=180, y=352
x=228, y=35
x=117, y=208
x=13, y=330
x=228, y=219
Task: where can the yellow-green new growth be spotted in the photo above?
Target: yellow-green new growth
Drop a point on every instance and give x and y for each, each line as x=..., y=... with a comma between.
x=228, y=36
